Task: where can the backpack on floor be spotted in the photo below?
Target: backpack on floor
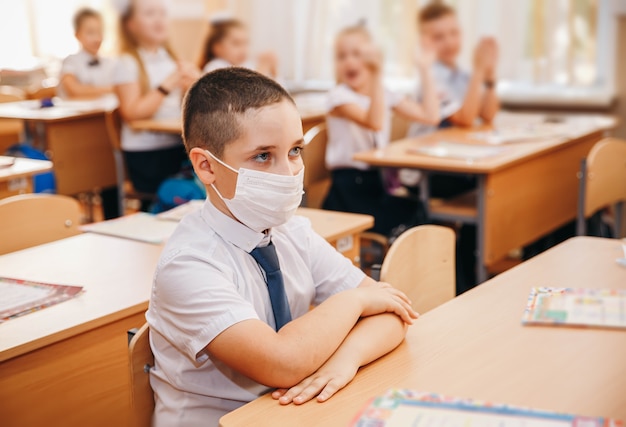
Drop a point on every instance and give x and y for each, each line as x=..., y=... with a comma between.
x=43, y=182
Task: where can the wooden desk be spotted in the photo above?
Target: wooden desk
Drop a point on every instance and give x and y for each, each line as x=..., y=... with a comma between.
x=18, y=178
x=75, y=137
x=340, y=229
x=475, y=346
x=310, y=108
x=72, y=358
x=523, y=193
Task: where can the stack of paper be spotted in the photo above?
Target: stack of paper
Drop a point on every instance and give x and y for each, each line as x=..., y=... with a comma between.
x=141, y=226
x=179, y=212
x=456, y=150
x=21, y=297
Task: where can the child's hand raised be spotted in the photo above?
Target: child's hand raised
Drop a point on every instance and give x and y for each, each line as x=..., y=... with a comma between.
x=486, y=55
x=425, y=56
x=267, y=63
x=373, y=58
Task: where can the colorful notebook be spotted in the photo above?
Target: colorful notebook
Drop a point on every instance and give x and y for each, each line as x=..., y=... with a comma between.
x=401, y=408
x=603, y=308
x=141, y=226
x=20, y=297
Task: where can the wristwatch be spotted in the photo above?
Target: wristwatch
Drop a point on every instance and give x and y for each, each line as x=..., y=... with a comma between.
x=164, y=91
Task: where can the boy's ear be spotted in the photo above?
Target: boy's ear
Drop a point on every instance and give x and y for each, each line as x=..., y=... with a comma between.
x=202, y=166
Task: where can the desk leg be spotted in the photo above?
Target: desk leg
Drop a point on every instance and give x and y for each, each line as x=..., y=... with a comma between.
x=481, y=269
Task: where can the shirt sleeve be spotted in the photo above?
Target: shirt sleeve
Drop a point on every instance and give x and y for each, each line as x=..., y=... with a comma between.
x=125, y=70
x=339, y=95
x=393, y=98
x=69, y=66
x=193, y=301
x=331, y=271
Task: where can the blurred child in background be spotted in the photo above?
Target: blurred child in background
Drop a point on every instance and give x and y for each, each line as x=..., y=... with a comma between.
x=228, y=45
x=149, y=82
x=359, y=118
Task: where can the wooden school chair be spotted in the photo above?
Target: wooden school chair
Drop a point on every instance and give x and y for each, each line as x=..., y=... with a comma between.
x=10, y=129
x=141, y=361
x=602, y=182
x=316, y=177
x=34, y=219
x=113, y=123
x=421, y=264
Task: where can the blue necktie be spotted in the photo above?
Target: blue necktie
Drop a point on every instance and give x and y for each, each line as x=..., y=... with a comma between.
x=268, y=260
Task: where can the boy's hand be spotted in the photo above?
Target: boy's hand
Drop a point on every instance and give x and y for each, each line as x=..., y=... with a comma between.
x=491, y=48
x=425, y=57
x=331, y=377
x=486, y=55
x=267, y=63
x=384, y=298
x=373, y=58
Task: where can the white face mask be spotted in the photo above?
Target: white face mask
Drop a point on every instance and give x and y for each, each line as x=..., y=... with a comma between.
x=263, y=200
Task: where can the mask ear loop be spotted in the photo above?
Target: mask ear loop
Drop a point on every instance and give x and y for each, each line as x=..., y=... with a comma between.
x=221, y=162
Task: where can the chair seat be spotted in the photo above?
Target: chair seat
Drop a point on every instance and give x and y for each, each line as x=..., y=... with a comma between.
x=458, y=208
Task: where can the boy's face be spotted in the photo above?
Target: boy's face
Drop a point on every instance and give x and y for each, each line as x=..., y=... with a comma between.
x=89, y=34
x=444, y=34
x=234, y=47
x=271, y=141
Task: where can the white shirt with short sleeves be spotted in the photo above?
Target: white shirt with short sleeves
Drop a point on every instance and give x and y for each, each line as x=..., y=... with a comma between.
x=88, y=70
x=346, y=137
x=206, y=281
x=452, y=86
x=158, y=65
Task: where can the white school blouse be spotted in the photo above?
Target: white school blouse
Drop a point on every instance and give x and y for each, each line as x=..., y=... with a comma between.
x=159, y=65
x=345, y=137
x=99, y=73
x=205, y=282
x=452, y=86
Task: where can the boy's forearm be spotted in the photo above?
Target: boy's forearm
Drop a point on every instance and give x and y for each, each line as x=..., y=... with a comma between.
x=430, y=103
x=470, y=109
x=372, y=337
x=490, y=105
x=376, y=111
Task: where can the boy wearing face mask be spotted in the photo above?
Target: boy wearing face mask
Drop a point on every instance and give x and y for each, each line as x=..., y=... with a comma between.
x=229, y=314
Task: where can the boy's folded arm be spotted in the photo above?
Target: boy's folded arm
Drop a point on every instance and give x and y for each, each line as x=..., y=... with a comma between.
x=371, y=338
x=284, y=358
x=490, y=106
x=75, y=88
x=358, y=115
x=134, y=105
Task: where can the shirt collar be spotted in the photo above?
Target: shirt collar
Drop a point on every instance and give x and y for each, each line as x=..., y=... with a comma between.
x=147, y=56
x=87, y=55
x=231, y=230
x=444, y=70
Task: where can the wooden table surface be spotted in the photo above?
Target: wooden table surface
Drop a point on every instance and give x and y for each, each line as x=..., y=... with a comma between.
x=116, y=275
x=22, y=168
x=333, y=225
x=400, y=154
x=475, y=347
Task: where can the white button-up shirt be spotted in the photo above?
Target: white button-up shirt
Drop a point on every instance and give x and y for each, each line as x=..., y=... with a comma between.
x=100, y=73
x=206, y=281
x=452, y=86
x=158, y=65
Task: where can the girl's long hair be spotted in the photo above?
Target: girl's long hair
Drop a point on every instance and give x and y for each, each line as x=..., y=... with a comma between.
x=218, y=32
x=128, y=44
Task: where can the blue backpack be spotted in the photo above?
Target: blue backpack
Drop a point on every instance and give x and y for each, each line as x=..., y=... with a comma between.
x=177, y=190
x=43, y=182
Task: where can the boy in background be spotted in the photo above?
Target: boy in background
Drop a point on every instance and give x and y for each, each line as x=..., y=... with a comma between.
x=85, y=74
x=229, y=314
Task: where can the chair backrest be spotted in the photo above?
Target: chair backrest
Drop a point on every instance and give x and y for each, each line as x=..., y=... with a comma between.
x=113, y=123
x=11, y=94
x=605, y=175
x=33, y=219
x=399, y=127
x=421, y=264
x=316, y=177
x=141, y=361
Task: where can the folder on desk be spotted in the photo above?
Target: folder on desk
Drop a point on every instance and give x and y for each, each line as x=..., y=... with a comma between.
x=141, y=226
x=19, y=297
x=602, y=308
x=400, y=408
x=457, y=150
x=178, y=213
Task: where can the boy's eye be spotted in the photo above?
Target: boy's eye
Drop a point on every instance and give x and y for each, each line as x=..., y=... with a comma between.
x=261, y=157
x=295, y=151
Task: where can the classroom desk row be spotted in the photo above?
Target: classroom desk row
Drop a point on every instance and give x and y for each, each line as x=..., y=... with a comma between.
x=75, y=135
x=69, y=361
x=16, y=174
x=474, y=346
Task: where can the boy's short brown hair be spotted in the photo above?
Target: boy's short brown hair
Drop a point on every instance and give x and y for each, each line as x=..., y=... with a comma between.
x=434, y=10
x=82, y=14
x=215, y=104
